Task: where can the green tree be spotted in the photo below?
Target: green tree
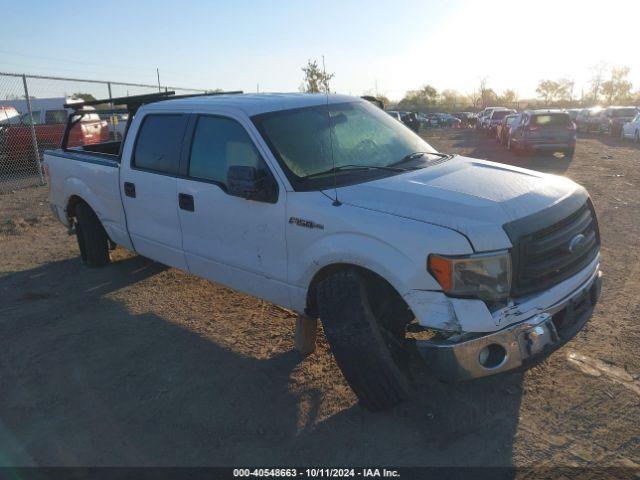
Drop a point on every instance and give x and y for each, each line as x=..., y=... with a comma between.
x=315, y=80
x=87, y=97
x=547, y=90
x=422, y=99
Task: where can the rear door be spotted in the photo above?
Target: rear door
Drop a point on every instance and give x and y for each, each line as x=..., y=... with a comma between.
x=149, y=188
x=227, y=239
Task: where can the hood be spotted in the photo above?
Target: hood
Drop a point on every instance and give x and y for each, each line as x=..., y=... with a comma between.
x=473, y=197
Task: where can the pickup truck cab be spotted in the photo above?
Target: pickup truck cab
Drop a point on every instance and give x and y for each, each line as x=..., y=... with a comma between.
x=328, y=206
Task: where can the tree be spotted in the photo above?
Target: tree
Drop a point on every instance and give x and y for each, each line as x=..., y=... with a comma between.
x=599, y=72
x=86, y=97
x=421, y=99
x=547, y=90
x=385, y=100
x=474, y=98
x=487, y=95
x=450, y=99
x=565, y=90
x=509, y=97
x=316, y=80
x=618, y=88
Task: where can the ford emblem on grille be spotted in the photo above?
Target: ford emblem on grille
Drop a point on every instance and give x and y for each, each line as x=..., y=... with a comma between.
x=577, y=243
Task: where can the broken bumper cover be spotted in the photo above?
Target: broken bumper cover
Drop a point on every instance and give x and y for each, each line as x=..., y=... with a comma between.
x=519, y=345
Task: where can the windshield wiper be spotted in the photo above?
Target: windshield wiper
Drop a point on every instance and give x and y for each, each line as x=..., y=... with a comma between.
x=416, y=155
x=354, y=168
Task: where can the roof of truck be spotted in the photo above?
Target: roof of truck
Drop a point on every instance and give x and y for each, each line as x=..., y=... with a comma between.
x=254, y=103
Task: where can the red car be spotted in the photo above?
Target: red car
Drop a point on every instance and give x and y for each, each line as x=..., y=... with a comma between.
x=16, y=139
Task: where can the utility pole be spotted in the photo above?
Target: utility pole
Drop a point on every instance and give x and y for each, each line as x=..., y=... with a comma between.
x=158, y=73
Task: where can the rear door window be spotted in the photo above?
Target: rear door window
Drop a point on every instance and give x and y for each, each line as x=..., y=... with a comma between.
x=159, y=143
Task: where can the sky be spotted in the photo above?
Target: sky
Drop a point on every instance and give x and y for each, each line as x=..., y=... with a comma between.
x=385, y=47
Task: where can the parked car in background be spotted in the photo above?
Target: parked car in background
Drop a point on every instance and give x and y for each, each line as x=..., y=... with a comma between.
x=587, y=119
x=631, y=129
x=494, y=120
x=428, y=120
x=543, y=131
x=448, y=120
x=48, y=117
x=117, y=126
x=481, y=115
x=466, y=118
x=502, y=130
x=411, y=121
x=613, y=118
x=395, y=114
x=486, y=118
x=573, y=113
x=7, y=114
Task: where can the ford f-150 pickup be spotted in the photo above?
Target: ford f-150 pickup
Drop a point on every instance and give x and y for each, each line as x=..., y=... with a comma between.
x=326, y=205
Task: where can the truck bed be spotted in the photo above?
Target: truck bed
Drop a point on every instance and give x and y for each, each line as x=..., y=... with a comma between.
x=93, y=177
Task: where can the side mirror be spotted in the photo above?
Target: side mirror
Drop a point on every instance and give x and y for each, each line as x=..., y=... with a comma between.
x=251, y=183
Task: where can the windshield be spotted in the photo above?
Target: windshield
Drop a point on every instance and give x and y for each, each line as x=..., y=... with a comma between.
x=360, y=135
x=500, y=114
x=623, y=112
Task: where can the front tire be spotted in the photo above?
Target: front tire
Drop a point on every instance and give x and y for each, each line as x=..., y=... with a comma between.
x=369, y=354
x=92, y=238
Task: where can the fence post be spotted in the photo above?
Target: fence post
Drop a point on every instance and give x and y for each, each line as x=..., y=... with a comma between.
x=34, y=140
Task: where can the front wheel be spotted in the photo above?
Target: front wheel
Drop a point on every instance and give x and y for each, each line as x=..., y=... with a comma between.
x=368, y=344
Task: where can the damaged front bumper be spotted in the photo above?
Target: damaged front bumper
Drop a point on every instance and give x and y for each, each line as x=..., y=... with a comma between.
x=518, y=345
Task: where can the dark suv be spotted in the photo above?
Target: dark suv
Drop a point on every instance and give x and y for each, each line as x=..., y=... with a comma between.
x=543, y=130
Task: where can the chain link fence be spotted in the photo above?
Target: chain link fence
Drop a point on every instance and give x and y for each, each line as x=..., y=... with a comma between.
x=33, y=119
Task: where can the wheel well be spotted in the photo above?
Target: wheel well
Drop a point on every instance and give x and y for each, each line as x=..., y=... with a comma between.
x=74, y=201
x=373, y=282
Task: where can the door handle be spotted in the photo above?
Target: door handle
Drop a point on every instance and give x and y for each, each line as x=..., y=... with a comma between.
x=130, y=189
x=186, y=202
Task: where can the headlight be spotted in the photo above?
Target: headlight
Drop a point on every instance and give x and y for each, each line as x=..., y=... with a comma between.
x=486, y=276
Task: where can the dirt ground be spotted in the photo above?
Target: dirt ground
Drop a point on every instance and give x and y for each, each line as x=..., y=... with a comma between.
x=139, y=364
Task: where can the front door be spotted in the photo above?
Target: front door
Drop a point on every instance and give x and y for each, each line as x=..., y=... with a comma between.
x=227, y=239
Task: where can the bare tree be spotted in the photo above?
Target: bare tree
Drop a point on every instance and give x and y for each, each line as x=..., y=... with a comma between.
x=599, y=72
x=315, y=78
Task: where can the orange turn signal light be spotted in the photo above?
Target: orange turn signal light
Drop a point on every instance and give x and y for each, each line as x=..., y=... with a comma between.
x=442, y=269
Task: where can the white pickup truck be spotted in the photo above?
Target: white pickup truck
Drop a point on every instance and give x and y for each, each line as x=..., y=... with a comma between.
x=328, y=206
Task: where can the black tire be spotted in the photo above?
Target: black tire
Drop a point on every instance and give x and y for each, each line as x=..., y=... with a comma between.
x=364, y=352
x=92, y=239
x=568, y=153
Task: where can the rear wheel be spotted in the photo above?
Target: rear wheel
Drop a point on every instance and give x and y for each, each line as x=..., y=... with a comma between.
x=366, y=334
x=637, y=138
x=92, y=238
x=569, y=152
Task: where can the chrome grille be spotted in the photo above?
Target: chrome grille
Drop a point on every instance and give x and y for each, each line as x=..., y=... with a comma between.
x=543, y=258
